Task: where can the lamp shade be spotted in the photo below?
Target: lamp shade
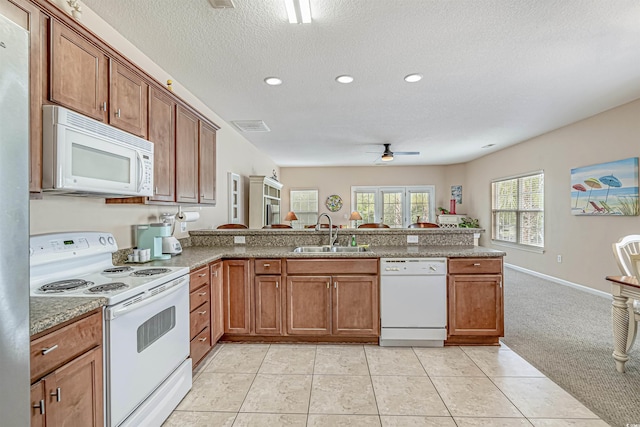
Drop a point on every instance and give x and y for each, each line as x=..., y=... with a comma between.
x=291, y=216
x=355, y=216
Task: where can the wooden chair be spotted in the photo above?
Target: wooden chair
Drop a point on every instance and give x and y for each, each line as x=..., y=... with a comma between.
x=230, y=226
x=627, y=254
x=424, y=225
x=277, y=226
x=321, y=226
x=373, y=225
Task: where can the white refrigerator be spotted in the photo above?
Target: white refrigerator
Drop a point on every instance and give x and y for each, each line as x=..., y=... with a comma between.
x=14, y=224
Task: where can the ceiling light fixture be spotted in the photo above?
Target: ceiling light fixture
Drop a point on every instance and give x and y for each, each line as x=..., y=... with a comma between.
x=273, y=81
x=298, y=11
x=344, y=79
x=412, y=78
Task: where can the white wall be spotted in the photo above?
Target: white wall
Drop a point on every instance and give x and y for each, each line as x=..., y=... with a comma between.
x=583, y=241
x=234, y=154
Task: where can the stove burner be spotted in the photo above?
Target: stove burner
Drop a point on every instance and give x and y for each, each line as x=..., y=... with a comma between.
x=64, y=285
x=107, y=287
x=114, y=270
x=150, y=272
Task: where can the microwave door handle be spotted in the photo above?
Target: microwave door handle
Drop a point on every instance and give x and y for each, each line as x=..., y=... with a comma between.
x=140, y=170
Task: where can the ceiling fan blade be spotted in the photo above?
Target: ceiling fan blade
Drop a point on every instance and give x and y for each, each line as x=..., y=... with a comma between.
x=407, y=153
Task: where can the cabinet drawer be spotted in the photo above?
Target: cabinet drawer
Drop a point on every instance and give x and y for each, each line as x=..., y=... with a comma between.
x=475, y=265
x=267, y=266
x=65, y=344
x=200, y=345
x=200, y=318
x=199, y=296
x=198, y=278
x=332, y=266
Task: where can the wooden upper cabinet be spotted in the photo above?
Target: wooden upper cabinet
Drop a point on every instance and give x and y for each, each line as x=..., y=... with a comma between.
x=78, y=73
x=187, y=132
x=207, y=164
x=162, y=131
x=128, y=100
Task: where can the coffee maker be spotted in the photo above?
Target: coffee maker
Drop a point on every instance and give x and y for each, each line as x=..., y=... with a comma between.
x=170, y=245
x=150, y=236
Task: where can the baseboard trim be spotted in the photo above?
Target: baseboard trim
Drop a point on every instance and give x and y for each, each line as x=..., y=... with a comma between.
x=561, y=281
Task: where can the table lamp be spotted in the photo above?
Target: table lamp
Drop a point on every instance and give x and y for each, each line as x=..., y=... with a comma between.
x=355, y=216
x=291, y=216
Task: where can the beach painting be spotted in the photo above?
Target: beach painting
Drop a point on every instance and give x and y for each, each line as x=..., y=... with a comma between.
x=606, y=188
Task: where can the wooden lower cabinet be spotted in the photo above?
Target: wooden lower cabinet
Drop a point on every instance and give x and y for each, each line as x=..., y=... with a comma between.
x=308, y=305
x=268, y=305
x=67, y=382
x=200, y=314
x=475, y=301
x=237, y=296
x=217, y=301
x=355, y=306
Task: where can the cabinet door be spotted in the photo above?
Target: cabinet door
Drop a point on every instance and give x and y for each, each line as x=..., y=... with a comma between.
x=38, y=405
x=308, y=305
x=162, y=131
x=207, y=164
x=217, y=302
x=186, y=156
x=74, y=392
x=355, y=307
x=78, y=73
x=128, y=100
x=268, y=304
x=237, y=297
x=475, y=305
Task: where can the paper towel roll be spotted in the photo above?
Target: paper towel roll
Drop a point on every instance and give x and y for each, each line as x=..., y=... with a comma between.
x=187, y=216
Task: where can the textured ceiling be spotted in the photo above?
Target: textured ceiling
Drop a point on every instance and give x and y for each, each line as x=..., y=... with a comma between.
x=495, y=71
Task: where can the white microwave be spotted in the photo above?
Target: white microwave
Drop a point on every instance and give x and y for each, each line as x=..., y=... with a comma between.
x=86, y=157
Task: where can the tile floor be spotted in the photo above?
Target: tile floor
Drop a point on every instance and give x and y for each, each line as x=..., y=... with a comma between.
x=355, y=385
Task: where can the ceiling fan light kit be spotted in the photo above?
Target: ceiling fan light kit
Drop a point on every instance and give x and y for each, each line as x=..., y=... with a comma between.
x=387, y=155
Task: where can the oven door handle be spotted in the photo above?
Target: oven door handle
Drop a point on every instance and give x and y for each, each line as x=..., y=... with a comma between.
x=116, y=311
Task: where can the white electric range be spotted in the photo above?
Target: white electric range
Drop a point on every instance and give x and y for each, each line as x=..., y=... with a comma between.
x=147, y=369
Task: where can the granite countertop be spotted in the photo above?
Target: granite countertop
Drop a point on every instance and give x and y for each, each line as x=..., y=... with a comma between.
x=47, y=312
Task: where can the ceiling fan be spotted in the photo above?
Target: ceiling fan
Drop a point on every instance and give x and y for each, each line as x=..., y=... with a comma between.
x=387, y=156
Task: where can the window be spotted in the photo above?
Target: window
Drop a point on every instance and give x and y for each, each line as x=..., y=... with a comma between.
x=518, y=210
x=395, y=206
x=305, y=205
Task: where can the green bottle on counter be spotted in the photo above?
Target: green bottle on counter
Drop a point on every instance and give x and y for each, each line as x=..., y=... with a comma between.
x=353, y=240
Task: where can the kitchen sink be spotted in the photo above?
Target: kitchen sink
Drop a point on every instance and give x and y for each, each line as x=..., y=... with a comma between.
x=320, y=249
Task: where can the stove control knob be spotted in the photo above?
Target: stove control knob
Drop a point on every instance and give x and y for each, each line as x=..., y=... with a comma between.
x=102, y=240
x=111, y=240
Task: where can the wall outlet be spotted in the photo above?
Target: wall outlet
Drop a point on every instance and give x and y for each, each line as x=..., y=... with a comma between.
x=183, y=227
x=412, y=239
x=559, y=258
x=239, y=240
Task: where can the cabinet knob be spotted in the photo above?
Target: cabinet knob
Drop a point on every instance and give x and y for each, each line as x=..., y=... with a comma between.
x=202, y=275
x=266, y=265
x=49, y=350
x=276, y=283
x=118, y=113
x=202, y=313
x=40, y=406
x=476, y=264
x=203, y=339
x=103, y=107
x=202, y=294
x=57, y=394
x=215, y=274
x=335, y=285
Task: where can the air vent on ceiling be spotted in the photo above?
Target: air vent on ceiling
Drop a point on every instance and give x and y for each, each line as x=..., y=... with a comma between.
x=251, y=126
x=222, y=4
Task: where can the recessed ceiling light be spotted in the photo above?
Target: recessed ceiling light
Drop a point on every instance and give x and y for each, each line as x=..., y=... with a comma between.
x=344, y=79
x=273, y=81
x=488, y=146
x=412, y=78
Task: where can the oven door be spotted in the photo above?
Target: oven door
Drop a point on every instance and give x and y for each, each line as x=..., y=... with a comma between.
x=147, y=338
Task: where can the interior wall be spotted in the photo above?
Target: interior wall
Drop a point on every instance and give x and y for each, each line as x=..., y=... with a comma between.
x=338, y=180
x=583, y=241
x=234, y=154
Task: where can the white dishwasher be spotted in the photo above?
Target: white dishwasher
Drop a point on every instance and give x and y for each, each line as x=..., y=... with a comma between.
x=413, y=301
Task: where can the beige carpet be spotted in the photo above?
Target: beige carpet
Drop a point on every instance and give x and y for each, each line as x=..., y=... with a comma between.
x=566, y=334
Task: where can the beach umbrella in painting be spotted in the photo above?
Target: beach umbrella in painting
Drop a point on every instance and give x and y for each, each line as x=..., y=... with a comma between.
x=580, y=188
x=610, y=181
x=592, y=183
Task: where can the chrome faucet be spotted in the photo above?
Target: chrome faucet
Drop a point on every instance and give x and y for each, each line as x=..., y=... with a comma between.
x=332, y=238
